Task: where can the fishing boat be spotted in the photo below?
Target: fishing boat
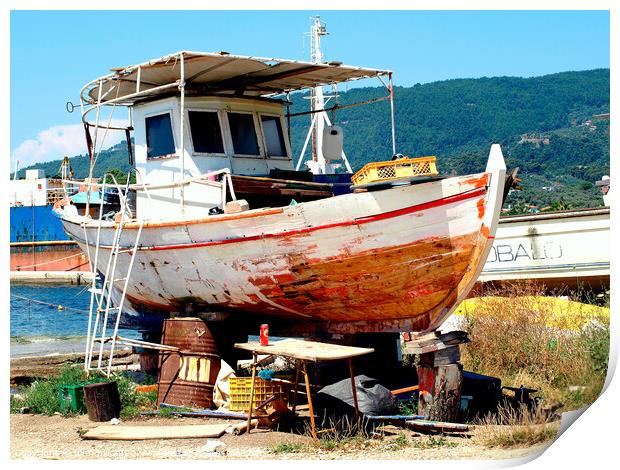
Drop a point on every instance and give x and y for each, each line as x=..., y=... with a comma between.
x=40, y=249
x=396, y=253
x=560, y=250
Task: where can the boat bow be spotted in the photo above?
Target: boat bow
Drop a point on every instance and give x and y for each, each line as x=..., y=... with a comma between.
x=496, y=169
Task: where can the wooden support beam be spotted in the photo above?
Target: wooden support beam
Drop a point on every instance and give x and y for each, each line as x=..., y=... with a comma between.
x=354, y=388
x=249, y=425
x=310, y=408
x=296, y=385
x=440, y=392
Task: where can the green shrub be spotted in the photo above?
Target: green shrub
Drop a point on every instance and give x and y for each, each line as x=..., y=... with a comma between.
x=286, y=448
x=41, y=397
x=408, y=407
x=596, y=340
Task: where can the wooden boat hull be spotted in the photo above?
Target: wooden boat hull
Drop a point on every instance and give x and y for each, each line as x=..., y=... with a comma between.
x=398, y=259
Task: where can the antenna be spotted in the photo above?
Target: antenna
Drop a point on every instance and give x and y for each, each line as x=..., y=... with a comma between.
x=319, y=119
x=317, y=29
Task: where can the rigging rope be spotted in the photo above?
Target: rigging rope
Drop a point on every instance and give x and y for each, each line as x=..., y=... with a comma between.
x=59, y=307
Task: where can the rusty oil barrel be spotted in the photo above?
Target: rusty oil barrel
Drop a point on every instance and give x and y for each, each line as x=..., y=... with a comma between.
x=149, y=361
x=187, y=377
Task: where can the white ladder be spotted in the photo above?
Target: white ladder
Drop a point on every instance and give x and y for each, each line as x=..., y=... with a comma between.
x=101, y=302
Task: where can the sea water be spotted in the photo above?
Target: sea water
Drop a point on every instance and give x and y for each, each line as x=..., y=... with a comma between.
x=45, y=328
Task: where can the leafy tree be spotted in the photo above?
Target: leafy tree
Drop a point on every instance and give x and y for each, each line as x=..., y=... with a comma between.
x=518, y=208
x=116, y=174
x=561, y=205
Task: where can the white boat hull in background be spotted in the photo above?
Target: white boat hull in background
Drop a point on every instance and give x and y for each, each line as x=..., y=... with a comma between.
x=558, y=249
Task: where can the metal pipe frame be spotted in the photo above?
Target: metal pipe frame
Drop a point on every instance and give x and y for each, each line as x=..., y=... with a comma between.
x=343, y=106
x=182, y=140
x=144, y=187
x=118, y=75
x=391, y=89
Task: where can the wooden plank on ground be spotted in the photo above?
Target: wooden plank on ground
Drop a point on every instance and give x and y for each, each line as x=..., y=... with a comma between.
x=138, y=433
x=389, y=418
x=436, y=426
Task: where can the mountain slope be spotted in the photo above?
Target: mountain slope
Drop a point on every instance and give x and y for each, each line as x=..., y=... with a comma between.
x=541, y=123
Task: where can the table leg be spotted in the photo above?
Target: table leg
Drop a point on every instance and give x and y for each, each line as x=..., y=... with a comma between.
x=252, y=393
x=296, y=385
x=353, y=388
x=312, y=423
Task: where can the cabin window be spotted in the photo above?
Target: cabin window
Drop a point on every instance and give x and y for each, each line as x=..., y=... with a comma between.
x=243, y=134
x=206, y=132
x=159, y=138
x=274, y=137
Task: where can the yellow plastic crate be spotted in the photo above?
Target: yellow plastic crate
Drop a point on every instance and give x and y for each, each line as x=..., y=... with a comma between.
x=240, y=388
x=395, y=169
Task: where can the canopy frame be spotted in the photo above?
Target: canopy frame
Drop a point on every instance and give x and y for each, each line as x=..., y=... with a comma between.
x=254, y=81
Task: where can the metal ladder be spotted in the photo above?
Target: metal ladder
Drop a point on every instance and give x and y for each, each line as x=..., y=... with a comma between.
x=101, y=302
x=102, y=306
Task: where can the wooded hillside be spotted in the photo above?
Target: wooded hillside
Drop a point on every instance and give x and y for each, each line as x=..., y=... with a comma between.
x=544, y=124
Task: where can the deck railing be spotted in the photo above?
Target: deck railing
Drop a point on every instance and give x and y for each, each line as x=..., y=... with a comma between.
x=207, y=178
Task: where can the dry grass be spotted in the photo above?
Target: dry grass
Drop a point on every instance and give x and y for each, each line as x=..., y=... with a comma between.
x=511, y=339
x=511, y=427
x=339, y=432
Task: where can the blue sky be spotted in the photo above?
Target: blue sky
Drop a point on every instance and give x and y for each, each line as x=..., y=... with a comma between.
x=54, y=53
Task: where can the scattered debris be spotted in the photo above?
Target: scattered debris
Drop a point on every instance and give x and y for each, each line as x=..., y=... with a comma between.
x=372, y=397
x=204, y=413
x=521, y=396
x=400, y=391
x=239, y=428
x=102, y=400
x=436, y=426
x=394, y=418
x=146, y=388
x=213, y=446
x=137, y=433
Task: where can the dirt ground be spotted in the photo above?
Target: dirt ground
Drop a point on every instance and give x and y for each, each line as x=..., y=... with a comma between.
x=57, y=437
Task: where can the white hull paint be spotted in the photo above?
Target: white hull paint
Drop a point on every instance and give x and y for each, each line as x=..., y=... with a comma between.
x=560, y=248
x=391, y=260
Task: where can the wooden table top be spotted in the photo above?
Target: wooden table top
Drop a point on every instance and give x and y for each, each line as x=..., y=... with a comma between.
x=307, y=350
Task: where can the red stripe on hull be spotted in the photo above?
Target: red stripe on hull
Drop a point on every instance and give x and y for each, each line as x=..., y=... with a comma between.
x=360, y=221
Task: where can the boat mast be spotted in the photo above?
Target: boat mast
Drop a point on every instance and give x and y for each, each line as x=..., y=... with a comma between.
x=317, y=101
x=319, y=119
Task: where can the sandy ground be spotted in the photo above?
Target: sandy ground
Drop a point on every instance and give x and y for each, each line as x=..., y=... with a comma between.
x=57, y=437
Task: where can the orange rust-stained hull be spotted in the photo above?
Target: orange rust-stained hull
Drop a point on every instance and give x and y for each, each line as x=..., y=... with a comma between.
x=397, y=282
x=398, y=259
x=387, y=290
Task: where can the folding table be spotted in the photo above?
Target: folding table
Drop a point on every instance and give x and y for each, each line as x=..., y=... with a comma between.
x=302, y=351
